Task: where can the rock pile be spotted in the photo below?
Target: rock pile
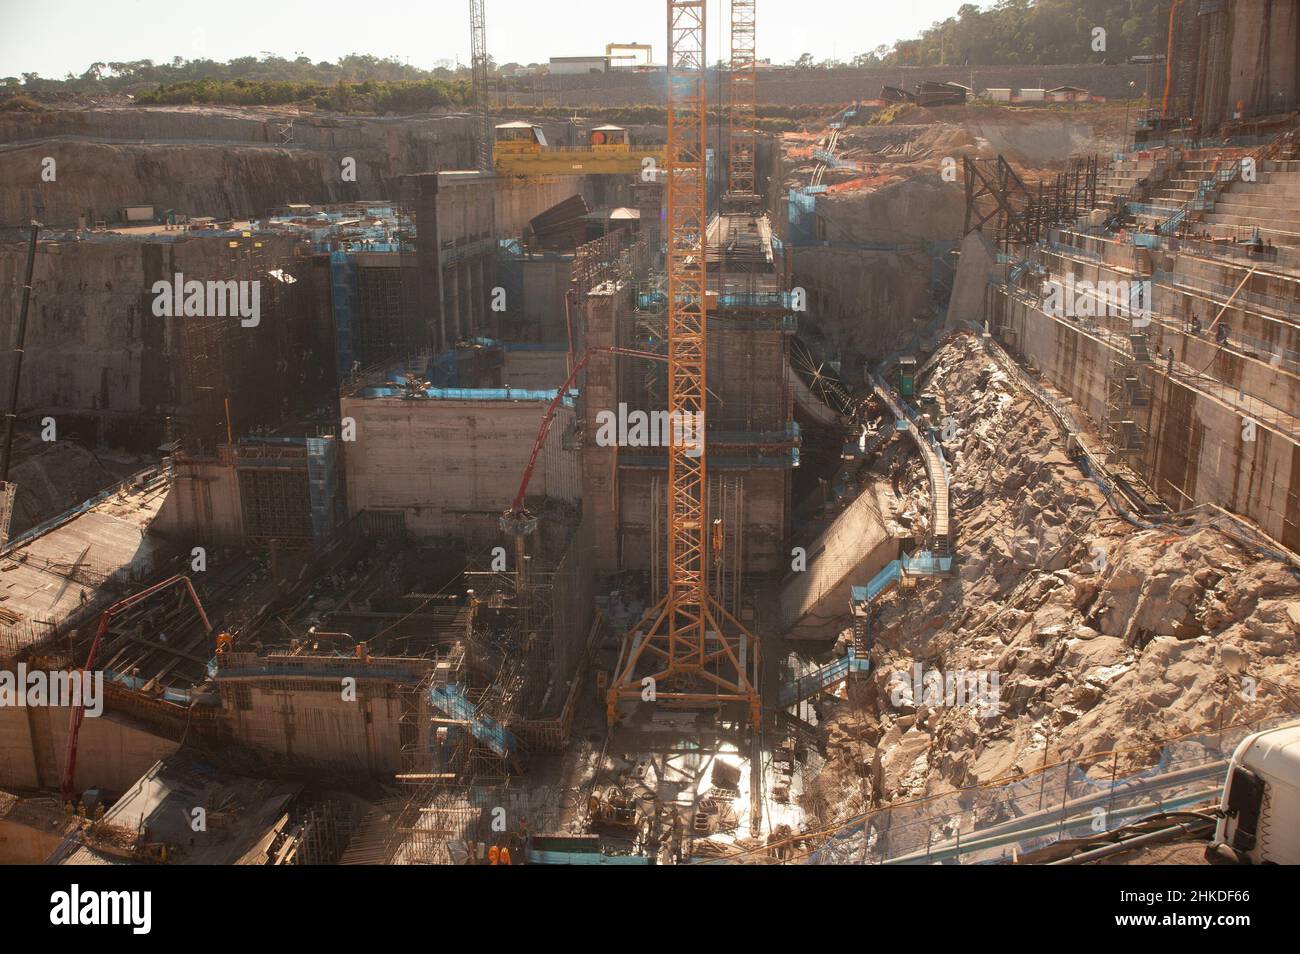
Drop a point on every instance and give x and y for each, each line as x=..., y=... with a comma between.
x=1098, y=634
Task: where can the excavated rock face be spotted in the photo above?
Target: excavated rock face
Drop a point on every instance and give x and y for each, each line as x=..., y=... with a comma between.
x=1102, y=635
x=212, y=160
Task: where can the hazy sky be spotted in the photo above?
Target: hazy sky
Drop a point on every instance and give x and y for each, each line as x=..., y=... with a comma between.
x=54, y=37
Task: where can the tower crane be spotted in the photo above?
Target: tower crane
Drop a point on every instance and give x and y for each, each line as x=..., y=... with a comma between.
x=688, y=649
x=478, y=74
x=742, y=83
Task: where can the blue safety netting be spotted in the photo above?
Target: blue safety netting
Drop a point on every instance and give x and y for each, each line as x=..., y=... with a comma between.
x=343, y=284
x=471, y=394
x=322, y=477
x=451, y=699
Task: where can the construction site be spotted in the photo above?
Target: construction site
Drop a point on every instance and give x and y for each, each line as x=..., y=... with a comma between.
x=915, y=484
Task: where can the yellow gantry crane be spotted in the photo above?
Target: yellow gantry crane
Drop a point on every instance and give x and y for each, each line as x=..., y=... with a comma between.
x=636, y=48
x=521, y=150
x=687, y=649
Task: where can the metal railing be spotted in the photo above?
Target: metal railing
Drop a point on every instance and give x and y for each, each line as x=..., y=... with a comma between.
x=1002, y=820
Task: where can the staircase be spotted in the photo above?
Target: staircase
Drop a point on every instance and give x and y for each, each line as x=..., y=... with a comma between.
x=819, y=680
x=936, y=561
x=1270, y=204
x=451, y=700
x=858, y=449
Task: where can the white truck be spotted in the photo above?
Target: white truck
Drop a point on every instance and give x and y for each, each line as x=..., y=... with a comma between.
x=1261, y=798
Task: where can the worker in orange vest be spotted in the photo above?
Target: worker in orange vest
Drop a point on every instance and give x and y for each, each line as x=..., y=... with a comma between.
x=493, y=855
x=505, y=855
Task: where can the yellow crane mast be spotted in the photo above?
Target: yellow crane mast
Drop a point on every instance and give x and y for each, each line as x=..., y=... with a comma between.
x=687, y=650
x=742, y=82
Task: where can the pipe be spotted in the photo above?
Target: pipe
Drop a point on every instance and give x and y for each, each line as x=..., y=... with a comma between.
x=1192, y=829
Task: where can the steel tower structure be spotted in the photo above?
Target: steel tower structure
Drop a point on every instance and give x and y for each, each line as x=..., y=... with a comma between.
x=478, y=71
x=742, y=83
x=680, y=652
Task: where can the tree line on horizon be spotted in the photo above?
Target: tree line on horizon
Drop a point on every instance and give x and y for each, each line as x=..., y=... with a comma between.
x=1008, y=32
x=1025, y=33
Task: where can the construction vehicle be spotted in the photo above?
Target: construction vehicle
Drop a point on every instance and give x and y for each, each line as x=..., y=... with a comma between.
x=521, y=149
x=1260, y=809
x=79, y=710
x=613, y=808
x=906, y=377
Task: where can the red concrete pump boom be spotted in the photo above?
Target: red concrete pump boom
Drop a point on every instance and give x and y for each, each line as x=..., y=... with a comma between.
x=518, y=506
x=79, y=710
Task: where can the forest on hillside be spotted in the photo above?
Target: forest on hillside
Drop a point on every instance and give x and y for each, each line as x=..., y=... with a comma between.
x=1007, y=32
x=1031, y=32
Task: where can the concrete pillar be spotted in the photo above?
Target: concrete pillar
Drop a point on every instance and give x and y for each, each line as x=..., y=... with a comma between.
x=485, y=317
x=1262, y=29
x=600, y=390
x=1283, y=54
x=452, y=277
x=465, y=278
x=430, y=293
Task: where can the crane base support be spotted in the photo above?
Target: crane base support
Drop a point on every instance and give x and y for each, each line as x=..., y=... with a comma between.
x=722, y=669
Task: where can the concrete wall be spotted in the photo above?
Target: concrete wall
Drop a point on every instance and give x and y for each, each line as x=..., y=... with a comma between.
x=764, y=514
x=1267, y=25
x=539, y=370
x=22, y=844
x=108, y=369
x=460, y=216
x=746, y=378
x=202, y=505
x=1195, y=452
x=1244, y=51
x=814, y=604
x=111, y=751
x=219, y=162
x=838, y=86
x=452, y=466
x=606, y=321
x=976, y=265
x=545, y=284
x=309, y=723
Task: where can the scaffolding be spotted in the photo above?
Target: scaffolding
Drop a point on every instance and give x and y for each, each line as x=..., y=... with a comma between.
x=511, y=689
x=1128, y=399
x=276, y=491
x=1021, y=214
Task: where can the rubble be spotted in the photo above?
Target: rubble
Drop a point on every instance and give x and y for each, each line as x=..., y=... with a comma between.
x=1104, y=635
